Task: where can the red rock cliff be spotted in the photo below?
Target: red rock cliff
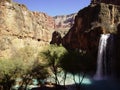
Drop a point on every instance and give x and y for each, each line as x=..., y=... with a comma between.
x=20, y=27
x=90, y=22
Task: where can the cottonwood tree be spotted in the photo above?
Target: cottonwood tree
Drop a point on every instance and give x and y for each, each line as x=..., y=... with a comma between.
x=18, y=66
x=53, y=55
x=27, y=56
x=9, y=71
x=77, y=63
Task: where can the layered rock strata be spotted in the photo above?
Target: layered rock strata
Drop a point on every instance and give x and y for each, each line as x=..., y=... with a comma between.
x=64, y=21
x=20, y=27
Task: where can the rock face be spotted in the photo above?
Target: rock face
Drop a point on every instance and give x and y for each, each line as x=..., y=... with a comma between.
x=62, y=24
x=56, y=38
x=116, y=2
x=90, y=23
x=20, y=27
x=64, y=21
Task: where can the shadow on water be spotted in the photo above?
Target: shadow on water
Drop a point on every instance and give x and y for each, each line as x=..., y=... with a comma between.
x=43, y=88
x=58, y=87
x=95, y=85
x=103, y=85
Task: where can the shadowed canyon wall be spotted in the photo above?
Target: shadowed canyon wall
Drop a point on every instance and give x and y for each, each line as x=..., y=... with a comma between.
x=116, y=2
x=90, y=22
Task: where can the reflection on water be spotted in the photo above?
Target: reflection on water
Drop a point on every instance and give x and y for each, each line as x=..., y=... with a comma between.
x=69, y=79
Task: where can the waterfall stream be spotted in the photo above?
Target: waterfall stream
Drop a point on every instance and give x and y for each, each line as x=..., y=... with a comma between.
x=102, y=59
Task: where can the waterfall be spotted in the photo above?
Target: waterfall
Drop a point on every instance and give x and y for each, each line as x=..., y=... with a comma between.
x=105, y=57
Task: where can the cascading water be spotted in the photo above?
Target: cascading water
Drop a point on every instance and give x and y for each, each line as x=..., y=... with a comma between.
x=104, y=57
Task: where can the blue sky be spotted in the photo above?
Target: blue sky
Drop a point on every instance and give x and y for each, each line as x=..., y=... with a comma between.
x=55, y=7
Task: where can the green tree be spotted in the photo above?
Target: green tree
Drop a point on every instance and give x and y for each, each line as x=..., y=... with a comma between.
x=31, y=66
x=27, y=56
x=36, y=71
x=9, y=71
x=77, y=63
x=53, y=55
x=39, y=71
x=30, y=72
x=23, y=64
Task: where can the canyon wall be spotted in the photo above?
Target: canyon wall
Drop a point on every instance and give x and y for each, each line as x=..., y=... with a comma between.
x=90, y=22
x=20, y=27
x=62, y=25
x=64, y=21
x=115, y=2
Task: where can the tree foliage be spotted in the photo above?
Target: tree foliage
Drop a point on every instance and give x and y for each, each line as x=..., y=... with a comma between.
x=9, y=71
x=40, y=72
x=75, y=62
x=22, y=64
x=53, y=55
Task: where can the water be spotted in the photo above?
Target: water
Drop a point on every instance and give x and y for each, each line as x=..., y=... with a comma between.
x=69, y=79
x=102, y=57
